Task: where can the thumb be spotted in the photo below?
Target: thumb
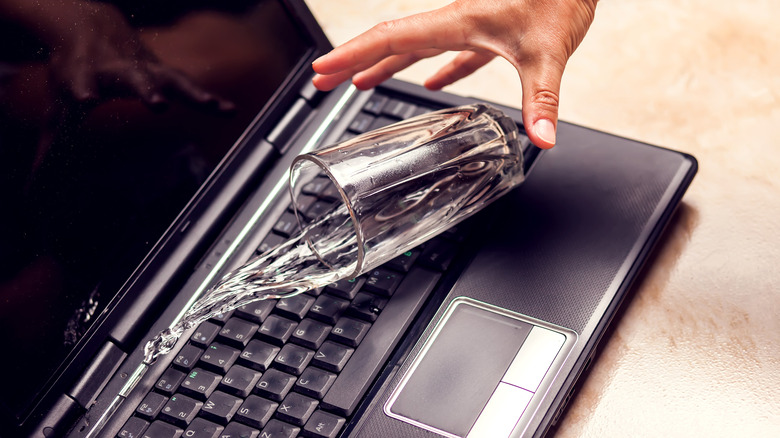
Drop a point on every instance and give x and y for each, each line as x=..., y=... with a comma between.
x=541, y=89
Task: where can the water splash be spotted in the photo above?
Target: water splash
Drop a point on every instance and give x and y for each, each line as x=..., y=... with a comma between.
x=288, y=270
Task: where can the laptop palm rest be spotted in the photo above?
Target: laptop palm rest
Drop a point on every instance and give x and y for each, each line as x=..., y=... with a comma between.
x=479, y=371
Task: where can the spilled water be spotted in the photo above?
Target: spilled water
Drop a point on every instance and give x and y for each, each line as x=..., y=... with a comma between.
x=290, y=269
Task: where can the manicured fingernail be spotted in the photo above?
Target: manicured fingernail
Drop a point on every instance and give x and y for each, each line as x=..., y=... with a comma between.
x=545, y=130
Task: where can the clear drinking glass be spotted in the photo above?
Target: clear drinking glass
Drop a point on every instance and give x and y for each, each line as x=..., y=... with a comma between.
x=398, y=186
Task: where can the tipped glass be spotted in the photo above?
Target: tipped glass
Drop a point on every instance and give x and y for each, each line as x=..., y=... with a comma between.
x=396, y=187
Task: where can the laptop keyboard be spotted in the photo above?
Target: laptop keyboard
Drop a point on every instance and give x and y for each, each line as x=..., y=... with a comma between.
x=297, y=366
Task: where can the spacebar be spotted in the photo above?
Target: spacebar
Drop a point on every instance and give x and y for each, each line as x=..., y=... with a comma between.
x=368, y=359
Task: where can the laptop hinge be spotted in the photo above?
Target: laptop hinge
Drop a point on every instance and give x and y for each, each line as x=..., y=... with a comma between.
x=289, y=124
x=58, y=419
x=100, y=371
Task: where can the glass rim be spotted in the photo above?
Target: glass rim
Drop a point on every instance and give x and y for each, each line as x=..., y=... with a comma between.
x=322, y=165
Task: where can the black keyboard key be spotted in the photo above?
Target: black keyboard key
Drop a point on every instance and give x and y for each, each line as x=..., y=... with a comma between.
x=310, y=333
x=187, y=357
x=277, y=330
x=256, y=311
x=349, y=331
x=275, y=384
x=296, y=408
x=179, y=411
x=238, y=430
x=219, y=358
x=356, y=377
x=366, y=306
x=270, y=242
x=239, y=381
x=323, y=425
x=316, y=186
x=237, y=333
x=302, y=203
x=151, y=405
x=383, y=121
x=287, y=225
x=420, y=110
x=383, y=281
x=332, y=356
x=314, y=382
x=404, y=261
x=221, y=407
x=375, y=103
x=200, y=384
x=327, y=309
x=256, y=411
x=438, y=254
x=330, y=193
x=278, y=429
x=361, y=123
x=294, y=307
x=399, y=109
x=133, y=428
x=220, y=318
x=205, y=334
x=202, y=428
x=293, y=359
x=319, y=209
x=346, y=135
x=258, y=355
x=169, y=381
x=345, y=288
x=158, y=429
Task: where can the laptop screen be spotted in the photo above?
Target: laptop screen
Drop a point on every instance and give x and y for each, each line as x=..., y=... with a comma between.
x=91, y=175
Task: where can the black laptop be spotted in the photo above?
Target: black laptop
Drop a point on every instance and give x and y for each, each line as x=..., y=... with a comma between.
x=117, y=215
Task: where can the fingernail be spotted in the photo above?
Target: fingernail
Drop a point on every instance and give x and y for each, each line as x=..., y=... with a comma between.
x=545, y=130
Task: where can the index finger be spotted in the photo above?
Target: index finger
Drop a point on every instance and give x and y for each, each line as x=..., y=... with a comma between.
x=427, y=30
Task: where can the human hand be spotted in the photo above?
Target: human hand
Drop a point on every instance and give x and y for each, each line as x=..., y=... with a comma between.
x=536, y=36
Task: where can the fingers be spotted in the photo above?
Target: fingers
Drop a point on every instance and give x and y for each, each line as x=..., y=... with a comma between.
x=330, y=81
x=422, y=32
x=386, y=68
x=541, y=84
x=463, y=65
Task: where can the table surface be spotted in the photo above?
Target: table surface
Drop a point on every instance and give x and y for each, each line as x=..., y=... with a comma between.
x=697, y=350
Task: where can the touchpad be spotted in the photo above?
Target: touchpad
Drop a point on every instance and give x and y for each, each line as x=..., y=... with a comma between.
x=478, y=371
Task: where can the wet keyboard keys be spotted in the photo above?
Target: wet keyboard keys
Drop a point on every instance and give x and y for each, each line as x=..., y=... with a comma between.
x=314, y=382
x=256, y=411
x=200, y=384
x=323, y=425
x=275, y=384
x=201, y=428
x=258, y=355
x=221, y=407
x=278, y=429
x=349, y=331
x=293, y=359
x=237, y=332
x=180, y=411
x=151, y=405
x=296, y=408
x=218, y=358
x=310, y=333
x=277, y=330
x=187, y=357
x=332, y=356
x=239, y=381
x=158, y=429
x=169, y=381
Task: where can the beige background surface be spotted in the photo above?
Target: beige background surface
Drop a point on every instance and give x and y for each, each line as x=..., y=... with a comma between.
x=697, y=350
